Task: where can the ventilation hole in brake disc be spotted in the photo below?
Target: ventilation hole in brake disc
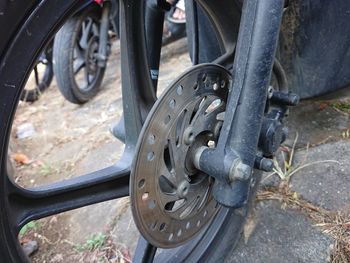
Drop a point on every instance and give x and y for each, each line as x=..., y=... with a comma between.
x=141, y=183
x=188, y=225
x=172, y=104
x=166, y=186
x=171, y=236
x=145, y=196
x=195, y=86
x=205, y=213
x=162, y=227
x=179, y=127
x=150, y=156
x=153, y=225
x=179, y=232
x=167, y=119
x=189, y=209
x=179, y=90
x=174, y=205
x=213, y=106
x=167, y=159
x=151, y=139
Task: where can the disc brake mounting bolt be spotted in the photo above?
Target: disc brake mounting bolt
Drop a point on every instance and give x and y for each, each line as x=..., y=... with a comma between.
x=223, y=83
x=240, y=171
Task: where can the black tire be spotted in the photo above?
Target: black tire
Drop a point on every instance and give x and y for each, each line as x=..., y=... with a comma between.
x=212, y=245
x=66, y=44
x=32, y=94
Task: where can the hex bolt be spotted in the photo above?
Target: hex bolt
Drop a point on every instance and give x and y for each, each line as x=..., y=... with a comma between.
x=288, y=99
x=240, y=171
x=270, y=92
x=223, y=84
x=263, y=164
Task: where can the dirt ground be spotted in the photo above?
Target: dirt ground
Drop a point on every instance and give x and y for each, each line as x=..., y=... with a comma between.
x=67, y=140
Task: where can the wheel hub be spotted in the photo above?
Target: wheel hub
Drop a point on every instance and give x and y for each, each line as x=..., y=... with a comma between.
x=171, y=199
x=91, y=55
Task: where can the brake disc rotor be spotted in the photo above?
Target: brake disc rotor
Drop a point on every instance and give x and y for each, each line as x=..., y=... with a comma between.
x=171, y=200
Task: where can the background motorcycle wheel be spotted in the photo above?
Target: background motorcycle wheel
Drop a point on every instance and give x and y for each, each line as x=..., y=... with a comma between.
x=42, y=74
x=18, y=206
x=75, y=62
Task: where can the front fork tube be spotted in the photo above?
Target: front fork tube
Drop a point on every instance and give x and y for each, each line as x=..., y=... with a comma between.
x=232, y=161
x=103, y=39
x=154, y=20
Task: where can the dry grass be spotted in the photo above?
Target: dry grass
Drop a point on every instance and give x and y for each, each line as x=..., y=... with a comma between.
x=289, y=167
x=333, y=223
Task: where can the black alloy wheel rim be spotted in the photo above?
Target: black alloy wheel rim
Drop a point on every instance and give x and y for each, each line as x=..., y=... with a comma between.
x=19, y=205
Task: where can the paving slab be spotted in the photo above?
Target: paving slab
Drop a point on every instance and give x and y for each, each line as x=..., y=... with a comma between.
x=325, y=184
x=282, y=236
x=315, y=122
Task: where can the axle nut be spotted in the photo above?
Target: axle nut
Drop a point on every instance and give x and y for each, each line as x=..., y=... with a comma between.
x=240, y=171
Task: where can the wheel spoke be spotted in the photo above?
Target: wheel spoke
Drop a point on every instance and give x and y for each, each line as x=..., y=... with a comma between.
x=144, y=252
x=169, y=175
x=29, y=204
x=79, y=63
x=36, y=74
x=87, y=77
x=85, y=32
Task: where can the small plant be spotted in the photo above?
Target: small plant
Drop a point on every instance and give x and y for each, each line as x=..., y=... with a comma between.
x=45, y=169
x=48, y=169
x=289, y=168
x=341, y=106
x=346, y=134
x=94, y=242
x=32, y=225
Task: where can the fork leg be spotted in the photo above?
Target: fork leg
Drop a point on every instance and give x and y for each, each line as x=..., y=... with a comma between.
x=231, y=162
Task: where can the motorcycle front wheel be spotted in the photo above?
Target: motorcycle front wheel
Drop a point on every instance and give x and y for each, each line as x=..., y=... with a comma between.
x=18, y=206
x=75, y=52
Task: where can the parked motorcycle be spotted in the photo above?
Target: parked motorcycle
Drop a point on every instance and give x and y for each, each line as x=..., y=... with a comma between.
x=81, y=50
x=193, y=157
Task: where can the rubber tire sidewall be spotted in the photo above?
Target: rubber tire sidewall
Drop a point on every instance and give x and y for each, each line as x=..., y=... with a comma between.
x=64, y=45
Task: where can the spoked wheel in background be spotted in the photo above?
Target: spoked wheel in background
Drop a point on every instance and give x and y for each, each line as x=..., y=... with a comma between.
x=75, y=54
x=212, y=230
x=40, y=77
